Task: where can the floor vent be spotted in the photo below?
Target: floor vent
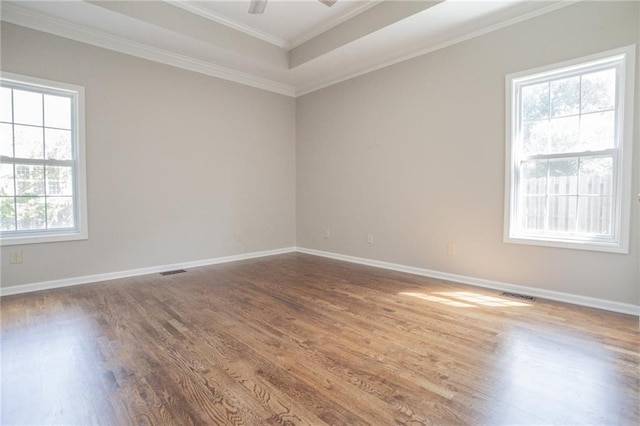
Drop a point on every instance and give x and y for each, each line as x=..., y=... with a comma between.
x=177, y=271
x=518, y=296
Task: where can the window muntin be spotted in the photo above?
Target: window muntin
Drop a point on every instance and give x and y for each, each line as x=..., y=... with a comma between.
x=42, y=183
x=566, y=180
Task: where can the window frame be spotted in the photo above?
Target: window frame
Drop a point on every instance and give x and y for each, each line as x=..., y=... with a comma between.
x=622, y=154
x=81, y=229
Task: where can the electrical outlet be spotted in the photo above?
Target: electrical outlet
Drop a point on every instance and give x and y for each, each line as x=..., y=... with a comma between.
x=327, y=233
x=239, y=236
x=451, y=249
x=15, y=256
x=369, y=238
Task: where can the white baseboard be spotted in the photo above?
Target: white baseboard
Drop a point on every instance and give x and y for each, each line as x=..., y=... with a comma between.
x=624, y=308
x=88, y=279
x=575, y=299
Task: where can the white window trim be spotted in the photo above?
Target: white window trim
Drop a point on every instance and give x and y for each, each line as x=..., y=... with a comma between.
x=620, y=243
x=81, y=231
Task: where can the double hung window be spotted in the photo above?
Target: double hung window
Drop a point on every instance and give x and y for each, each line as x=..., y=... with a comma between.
x=42, y=170
x=569, y=138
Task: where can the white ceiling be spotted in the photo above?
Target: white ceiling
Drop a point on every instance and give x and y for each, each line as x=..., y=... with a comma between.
x=285, y=23
x=294, y=48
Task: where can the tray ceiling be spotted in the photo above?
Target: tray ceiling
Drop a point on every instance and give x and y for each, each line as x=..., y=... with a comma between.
x=294, y=48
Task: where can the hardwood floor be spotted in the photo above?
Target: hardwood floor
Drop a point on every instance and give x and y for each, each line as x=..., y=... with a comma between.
x=297, y=339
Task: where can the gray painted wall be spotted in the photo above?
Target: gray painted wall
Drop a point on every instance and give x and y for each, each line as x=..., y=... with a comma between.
x=177, y=162
x=414, y=154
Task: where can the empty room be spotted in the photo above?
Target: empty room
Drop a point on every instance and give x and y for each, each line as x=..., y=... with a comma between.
x=267, y=212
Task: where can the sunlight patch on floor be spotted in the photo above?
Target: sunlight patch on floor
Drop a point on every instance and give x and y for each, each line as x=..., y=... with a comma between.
x=465, y=299
x=439, y=300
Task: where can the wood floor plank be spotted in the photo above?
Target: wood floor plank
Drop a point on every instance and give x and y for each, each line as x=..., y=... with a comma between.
x=301, y=340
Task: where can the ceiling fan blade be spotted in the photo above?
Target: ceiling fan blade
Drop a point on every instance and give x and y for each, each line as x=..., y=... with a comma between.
x=257, y=6
x=327, y=2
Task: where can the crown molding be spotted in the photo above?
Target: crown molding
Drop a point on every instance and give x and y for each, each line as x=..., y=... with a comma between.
x=276, y=41
x=331, y=23
x=38, y=21
x=41, y=22
x=450, y=42
x=208, y=14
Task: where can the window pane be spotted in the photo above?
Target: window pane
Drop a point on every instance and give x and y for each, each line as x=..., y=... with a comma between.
x=563, y=176
x=28, y=142
x=29, y=180
x=595, y=200
x=534, y=176
x=5, y=105
x=6, y=180
x=57, y=144
x=6, y=140
x=533, y=211
x=533, y=184
x=564, y=135
x=565, y=97
x=27, y=107
x=59, y=180
x=57, y=111
x=7, y=214
x=31, y=213
x=535, y=137
x=596, y=176
x=597, y=131
x=594, y=215
x=535, y=102
x=598, y=91
x=562, y=213
x=59, y=212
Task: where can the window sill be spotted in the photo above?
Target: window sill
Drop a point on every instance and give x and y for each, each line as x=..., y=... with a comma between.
x=607, y=247
x=43, y=238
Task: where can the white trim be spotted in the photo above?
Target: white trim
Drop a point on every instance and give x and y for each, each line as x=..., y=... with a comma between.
x=327, y=25
x=89, y=279
x=609, y=305
x=270, y=38
x=477, y=33
x=238, y=26
x=624, y=308
x=38, y=21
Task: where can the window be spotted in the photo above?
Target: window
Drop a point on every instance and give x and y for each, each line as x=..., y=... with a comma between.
x=569, y=137
x=42, y=170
